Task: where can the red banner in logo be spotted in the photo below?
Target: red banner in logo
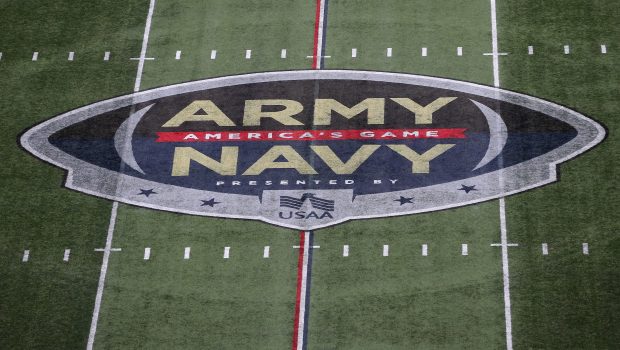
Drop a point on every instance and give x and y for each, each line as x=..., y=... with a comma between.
x=311, y=135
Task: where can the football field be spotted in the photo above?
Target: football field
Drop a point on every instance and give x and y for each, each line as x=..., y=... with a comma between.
x=538, y=269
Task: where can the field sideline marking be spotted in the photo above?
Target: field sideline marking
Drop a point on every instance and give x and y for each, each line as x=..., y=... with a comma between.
x=114, y=211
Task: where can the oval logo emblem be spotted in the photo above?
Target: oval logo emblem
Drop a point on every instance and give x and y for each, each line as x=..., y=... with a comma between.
x=309, y=149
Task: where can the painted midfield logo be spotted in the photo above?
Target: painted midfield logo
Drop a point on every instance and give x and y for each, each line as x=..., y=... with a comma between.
x=274, y=146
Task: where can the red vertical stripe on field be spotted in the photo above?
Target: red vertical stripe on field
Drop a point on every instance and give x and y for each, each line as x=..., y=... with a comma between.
x=298, y=301
x=315, y=50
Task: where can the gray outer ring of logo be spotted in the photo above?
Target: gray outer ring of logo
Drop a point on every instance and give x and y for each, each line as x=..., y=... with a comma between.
x=97, y=181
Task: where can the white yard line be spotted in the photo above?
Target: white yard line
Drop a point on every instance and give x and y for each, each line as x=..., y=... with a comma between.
x=506, y=271
x=145, y=43
x=319, y=48
x=104, y=270
x=494, y=44
x=502, y=201
x=303, y=292
x=114, y=211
